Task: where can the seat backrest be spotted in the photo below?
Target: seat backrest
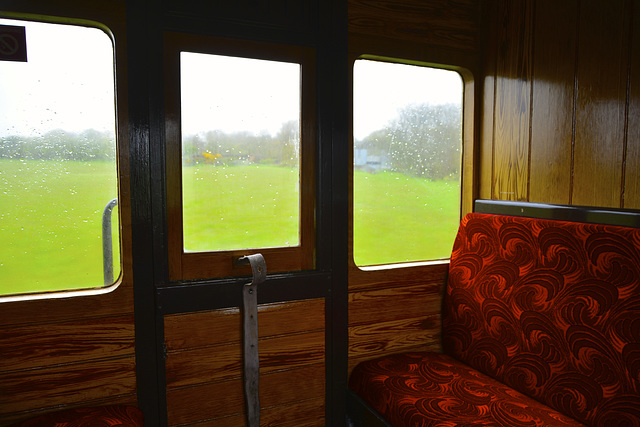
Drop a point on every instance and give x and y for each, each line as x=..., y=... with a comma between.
x=551, y=309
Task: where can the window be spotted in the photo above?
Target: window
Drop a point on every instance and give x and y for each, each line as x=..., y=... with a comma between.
x=240, y=156
x=240, y=145
x=58, y=176
x=407, y=162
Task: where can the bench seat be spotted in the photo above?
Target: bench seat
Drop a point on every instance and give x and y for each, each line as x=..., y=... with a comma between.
x=432, y=389
x=534, y=310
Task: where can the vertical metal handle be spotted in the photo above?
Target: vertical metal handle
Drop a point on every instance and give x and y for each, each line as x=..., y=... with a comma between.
x=250, y=337
x=107, y=244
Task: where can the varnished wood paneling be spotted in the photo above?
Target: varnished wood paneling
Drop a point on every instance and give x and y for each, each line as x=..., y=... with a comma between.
x=553, y=100
x=306, y=413
x=226, y=398
x=452, y=25
x=488, y=78
x=33, y=346
x=603, y=51
x=204, y=363
x=14, y=417
x=378, y=338
x=434, y=273
x=394, y=319
x=200, y=329
x=66, y=384
x=224, y=362
x=632, y=158
x=388, y=304
x=583, y=135
x=512, y=101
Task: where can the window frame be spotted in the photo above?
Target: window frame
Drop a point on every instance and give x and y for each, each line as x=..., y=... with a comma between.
x=112, y=25
x=362, y=275
x=217, y=264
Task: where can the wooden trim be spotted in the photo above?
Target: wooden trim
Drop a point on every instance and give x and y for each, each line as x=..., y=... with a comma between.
x=189, y=266
x=468, y=170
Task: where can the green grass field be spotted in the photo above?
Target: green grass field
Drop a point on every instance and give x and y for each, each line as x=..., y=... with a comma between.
x=399, y=218
x=51, y=224
x=51, y=213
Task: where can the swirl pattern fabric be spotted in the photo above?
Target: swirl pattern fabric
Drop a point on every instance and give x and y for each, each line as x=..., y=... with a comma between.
x=99, y=416
x=551, y=309
x=433, y=389
x=540, y=327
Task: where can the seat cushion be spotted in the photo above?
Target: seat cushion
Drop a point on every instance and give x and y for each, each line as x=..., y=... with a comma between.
x=551, y=309
x=433, y=389
x=99, y=416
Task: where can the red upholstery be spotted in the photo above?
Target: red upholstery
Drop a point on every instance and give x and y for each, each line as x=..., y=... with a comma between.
x=548, y=308
x=99, y=416
x=432, y=389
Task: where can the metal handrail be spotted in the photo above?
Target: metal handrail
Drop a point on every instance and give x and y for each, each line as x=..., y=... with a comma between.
x=107, y=244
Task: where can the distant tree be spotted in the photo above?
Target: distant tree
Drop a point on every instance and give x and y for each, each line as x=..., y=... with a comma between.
x=424, y=140
x=59, y=144
x=288, y=139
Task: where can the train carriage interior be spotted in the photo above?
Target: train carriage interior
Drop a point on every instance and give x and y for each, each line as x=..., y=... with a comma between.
x=319, y=213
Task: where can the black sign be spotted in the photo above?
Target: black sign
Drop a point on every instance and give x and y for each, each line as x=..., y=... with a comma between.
x=13, y=43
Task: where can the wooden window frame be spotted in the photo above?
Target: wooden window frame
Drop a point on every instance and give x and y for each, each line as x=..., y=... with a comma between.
x=217, y=264
x=109, y=19
x=364, y=276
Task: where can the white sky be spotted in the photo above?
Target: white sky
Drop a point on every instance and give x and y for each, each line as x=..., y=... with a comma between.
x=67, y=83
x=237, y=94
x=382, y=89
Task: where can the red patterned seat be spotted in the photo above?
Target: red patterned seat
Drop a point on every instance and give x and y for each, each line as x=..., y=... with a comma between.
x=99, y=416
x=432, y=389
x=546, y=309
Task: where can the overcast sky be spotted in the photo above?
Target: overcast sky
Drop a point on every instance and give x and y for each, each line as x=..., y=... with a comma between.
x=67, y=83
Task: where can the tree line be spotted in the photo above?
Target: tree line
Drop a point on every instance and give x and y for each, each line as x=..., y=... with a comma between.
x=60, y=145
x=244, y=147
x=424, y=140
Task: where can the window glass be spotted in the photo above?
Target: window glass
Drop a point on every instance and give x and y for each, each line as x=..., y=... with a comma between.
x=57, y=162
x=240, y=152
x=407, y=162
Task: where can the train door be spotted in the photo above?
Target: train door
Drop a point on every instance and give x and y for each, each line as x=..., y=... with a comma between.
x=248, y=142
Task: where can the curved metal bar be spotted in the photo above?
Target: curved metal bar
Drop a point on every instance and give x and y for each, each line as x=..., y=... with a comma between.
x=107, y=244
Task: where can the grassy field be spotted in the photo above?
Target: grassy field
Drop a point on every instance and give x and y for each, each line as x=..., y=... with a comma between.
x=51, y=224
x=51, y=212
x=231, y=207
x=399, y=218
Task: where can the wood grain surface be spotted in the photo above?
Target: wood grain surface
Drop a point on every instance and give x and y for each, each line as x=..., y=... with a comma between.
x=204, y=364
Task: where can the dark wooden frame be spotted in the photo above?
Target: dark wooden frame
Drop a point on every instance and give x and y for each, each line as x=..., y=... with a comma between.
x=201, y=265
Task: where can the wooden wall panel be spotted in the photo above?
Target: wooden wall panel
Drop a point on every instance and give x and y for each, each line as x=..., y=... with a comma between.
x=26, y=347
x=204, y=364
x=488, y=78
x=276, y=389
x=581, y=144
x=601, y=102
x=553, y=100
x=385, y=320
x=451, y=25
x=98, y=382
x=512, y=102
x=632, y=158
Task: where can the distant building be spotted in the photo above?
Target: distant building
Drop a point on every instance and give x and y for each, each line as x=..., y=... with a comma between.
x=362, y=160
